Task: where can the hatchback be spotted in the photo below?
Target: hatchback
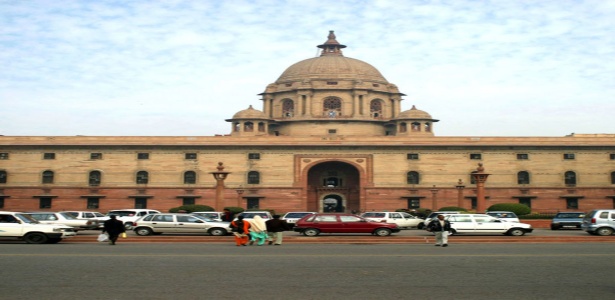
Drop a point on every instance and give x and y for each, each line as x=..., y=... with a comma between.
x=315, y=224
x=567, y=219
x=599, y=222
x=179, y=223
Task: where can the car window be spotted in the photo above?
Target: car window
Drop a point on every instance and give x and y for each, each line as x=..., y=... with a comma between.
x=122, y=213
x=8, y=219
x=87, y=215
x=163, y=218
x=395, y=215
x=296, y=215
x=325, y=218
x=407, y=215
x=453, y=218
x=68, y=216
x=97, y=214
x=188, y=219
x=348, y=219
x=26, y=218
x=148, y=218
x=604, y=215
x=484, y=219
x=73, y=213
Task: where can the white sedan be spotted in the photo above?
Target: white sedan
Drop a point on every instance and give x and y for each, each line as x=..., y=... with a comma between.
x=402, y=219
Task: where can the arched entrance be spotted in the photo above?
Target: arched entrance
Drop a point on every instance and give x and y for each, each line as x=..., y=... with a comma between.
x=333, y=186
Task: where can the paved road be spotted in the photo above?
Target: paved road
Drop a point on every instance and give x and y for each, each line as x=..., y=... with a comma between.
x=307, y=271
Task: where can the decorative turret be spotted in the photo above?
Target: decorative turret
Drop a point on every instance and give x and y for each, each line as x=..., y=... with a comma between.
x=331, y=46
x=249, y=122
x=414, y=122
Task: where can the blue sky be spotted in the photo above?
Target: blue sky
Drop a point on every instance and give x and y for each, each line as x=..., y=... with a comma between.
x=484, y=68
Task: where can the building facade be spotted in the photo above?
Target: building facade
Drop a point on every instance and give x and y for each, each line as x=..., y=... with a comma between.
x=331, y=136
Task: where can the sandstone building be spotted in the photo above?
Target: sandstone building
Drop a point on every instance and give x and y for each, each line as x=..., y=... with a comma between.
x=331, y=136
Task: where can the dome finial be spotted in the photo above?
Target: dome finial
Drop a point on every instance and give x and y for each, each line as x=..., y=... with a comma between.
x=331, y=46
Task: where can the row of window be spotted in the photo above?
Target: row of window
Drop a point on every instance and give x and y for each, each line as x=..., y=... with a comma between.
x=571, y=203
x=523, y=177
x=520, y=156
x=142, y=177
x=142, y=155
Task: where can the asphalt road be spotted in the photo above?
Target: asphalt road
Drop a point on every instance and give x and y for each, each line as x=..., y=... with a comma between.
x=307, y=271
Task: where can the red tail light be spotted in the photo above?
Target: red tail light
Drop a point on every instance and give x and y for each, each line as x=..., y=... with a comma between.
x=593, y=220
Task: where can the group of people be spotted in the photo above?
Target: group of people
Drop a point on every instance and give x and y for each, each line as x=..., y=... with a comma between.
x=259, y=231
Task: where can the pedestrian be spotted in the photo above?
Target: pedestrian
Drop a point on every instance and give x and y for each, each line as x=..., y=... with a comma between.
x=240, y=230
x=442, y=229
x=275, y=229
x=258, y=231
x=113, y=227
x=227, y=215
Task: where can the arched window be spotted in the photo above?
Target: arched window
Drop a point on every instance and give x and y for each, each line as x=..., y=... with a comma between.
x=523, y=177
x=612, y=178
x=189, y=177
x=288, y=108
x=94, y=178
x=570, y=178
x=248, y=127
x=261, y=127
x=254, y=177
x=47, y=176
x=142, y=177
x=416, y=126
x=332, y=107
x=236, y=126
x=413, y=177
x=375, y=108
x=403, y=127
x=427, y=127
x=3, y=176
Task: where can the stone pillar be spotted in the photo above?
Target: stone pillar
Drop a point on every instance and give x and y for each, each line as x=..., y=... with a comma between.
x=481, y=177
x=460, y=188
x=219, y=176
x=434, y=198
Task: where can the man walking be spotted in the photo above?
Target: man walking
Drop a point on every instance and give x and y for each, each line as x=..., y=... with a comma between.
x=275, y=229
x=113, y=227
x=441, y=228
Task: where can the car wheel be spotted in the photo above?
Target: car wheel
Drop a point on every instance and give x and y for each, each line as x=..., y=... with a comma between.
x=382, y=232
x=554, y=227
x=217, y=231
x=143, y=231
x=53, y=241
x=604, y=231
x=516, y=232
x=311, y=232
x=36, y=238
x=420, y=226
x=128, y=226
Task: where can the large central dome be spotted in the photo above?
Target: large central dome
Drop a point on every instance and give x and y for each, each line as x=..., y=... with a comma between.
x=332, y=65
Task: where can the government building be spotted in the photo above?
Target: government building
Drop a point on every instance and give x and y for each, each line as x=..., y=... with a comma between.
x=330, y=135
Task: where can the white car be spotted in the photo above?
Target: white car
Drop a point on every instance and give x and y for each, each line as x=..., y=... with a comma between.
x=23, y=227
x=482, y=223
x=433, y=215
x=210, y=215
x=130, y=216
x=402, y=219
x=507, y=216
x=46, y=217
x=89, y=215
x=179, y=223
x=292, y=217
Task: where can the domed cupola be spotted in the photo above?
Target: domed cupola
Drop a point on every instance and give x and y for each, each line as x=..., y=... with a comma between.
x=249, y=122
x=414, y=122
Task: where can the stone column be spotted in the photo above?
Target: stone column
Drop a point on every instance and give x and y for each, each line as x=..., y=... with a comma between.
x=434, y=198
x=219, y=176
x=481, y=177
x=460, y=188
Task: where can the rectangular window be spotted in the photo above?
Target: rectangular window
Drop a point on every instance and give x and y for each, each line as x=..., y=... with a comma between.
x=190, y=155
x=522, y=156
x=572, y=203
x=93, y=203
x=475, y=156
x=332, y=131
x=254, y=156
x=253, y=203
x=413, y=156
x=414, y=203
x=611, y=156
x=526, y=201
x=5, y=155
x=331, y=82
x=1, y=202
x=140, y=203
x=142, y=155
x=95, y=155
x=188, y=201
x=568, y=155
x=49, y=156
x=44, y=202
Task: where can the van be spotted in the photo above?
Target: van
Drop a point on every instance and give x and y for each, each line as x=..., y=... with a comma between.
x=599, y=222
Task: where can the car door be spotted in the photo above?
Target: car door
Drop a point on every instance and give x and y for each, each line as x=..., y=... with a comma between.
x=190, y=224
x=354, y=224
x=461, y=223
x=489, y=224
x=10, y=226
x=163, y=223
x=326, y=223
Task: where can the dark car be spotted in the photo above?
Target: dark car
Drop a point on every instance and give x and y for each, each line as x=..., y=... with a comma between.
x=313, y=225
x=567, y=219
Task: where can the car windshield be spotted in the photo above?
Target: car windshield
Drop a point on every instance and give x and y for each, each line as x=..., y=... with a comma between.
x=122, y=213
x=26, y=218
x=569, y=215
x=297, y=215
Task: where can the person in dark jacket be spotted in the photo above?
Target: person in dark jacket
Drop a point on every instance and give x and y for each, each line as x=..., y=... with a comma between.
x=442, y=229
x=275, y=229
x=113, y=227
x=227, y=215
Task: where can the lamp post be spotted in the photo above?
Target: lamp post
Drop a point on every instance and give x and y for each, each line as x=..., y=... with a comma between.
x=481, y=177
x=219, y=176
x=460, y=188
x=434, y=198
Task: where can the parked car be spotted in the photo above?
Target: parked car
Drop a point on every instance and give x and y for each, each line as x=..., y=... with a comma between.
x=292, y=217
x=179, y=223
x=402, y=219
x=64, y=218
x=507, y=216
x=567, y=219
x=599, y=221
x=23, y=227
x=210, y=215
x=130, y=216
x=433, y=215
x=89, y=215
x=248, y=215
x=313, y=225
x=483, y=223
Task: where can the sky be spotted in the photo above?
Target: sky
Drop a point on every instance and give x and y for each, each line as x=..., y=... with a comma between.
x=180, y=68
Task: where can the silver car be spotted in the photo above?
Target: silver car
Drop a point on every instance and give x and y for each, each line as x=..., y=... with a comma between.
x=179, y=223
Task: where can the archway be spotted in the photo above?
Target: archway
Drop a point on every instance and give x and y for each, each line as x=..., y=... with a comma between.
x=333, y=186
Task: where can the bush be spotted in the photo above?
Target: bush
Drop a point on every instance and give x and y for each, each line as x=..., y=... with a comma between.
x=452, y=208
x=191, y=208
x=518, y=209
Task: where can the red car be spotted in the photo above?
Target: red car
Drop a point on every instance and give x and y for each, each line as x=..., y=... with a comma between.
x=313, y=225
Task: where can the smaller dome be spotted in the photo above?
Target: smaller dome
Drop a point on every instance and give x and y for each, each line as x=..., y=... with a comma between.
x=414, y=113
x=250, y=113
